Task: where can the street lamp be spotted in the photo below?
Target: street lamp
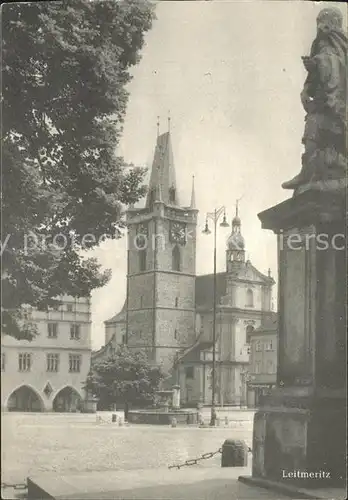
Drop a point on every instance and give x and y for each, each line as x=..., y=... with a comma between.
x=214, y=216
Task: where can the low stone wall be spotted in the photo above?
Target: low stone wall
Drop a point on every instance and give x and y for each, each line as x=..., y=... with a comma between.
x=162, y=418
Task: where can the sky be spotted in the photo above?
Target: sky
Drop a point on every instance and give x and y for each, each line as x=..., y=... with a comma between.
x=230, y=75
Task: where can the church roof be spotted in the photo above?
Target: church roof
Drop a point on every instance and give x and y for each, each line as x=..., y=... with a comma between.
x=163, y=178
x=120, y=317
x=105, y=349
x=193, y=352
x=205, y=289
x=269, y=322
x=205, y=284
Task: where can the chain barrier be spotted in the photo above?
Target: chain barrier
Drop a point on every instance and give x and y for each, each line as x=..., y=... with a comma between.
x=194, y=461
x=205, y=456
x=17, y=486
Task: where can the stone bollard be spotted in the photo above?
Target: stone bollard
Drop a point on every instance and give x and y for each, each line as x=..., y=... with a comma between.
x=114, y=417
x=174, y=422
x=120, y=422
x=226, y=421
x=234, y=453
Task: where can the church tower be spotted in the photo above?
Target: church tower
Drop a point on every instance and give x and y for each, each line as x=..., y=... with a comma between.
x=161, y=265
x=235, y=253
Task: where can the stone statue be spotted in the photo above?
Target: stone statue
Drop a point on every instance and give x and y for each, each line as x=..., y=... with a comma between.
x=324, y=98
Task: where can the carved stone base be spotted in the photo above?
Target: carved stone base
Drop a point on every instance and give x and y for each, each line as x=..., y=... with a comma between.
x=303, y=445
x=331, y=185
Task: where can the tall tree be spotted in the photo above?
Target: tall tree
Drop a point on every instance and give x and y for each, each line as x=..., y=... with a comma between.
x=126, y=377
x=66, y=66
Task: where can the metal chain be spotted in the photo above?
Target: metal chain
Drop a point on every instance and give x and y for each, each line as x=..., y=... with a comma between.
x=18, y=486
x=194, y=461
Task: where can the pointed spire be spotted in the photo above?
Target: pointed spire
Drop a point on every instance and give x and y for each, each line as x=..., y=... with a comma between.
x=193, y=195
x=163, y=179
x=236, y=222
x=159, y=190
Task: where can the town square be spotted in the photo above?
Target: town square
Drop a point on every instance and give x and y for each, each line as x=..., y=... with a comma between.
x=174, y=181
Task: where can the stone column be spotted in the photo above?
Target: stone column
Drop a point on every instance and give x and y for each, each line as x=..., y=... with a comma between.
x=300, y=426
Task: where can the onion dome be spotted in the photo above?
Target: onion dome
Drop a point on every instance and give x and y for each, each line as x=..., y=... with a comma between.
x=236, y=241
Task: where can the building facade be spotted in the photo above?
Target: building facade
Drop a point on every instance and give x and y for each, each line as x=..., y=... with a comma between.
x=169, y=310
x=160, y=310
x=48, y=372
x=244, y=299
x=263, y=359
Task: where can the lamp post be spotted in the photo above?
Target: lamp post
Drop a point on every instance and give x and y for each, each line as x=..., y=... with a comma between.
x=214, y=216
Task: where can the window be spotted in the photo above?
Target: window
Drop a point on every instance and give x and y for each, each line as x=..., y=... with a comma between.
x=123, y=339
x=142, y=260
x=69, y=307
x=176, y=301
x=74, y=363
x=248, y=348
x=176, y=334
x=3, y=361
x=172, y=195
x=52, y=330
x=176, y=258
x=141, y=301
x=258, y=346
x=270, y=367
x=24, y=362
x=269, y=346
x=249, y=298
x=189, y=372
x=249, y=331
x=74, y=331
x=258, y=367
x=52, y=362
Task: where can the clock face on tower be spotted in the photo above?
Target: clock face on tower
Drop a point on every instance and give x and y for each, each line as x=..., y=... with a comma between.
x=178, y=233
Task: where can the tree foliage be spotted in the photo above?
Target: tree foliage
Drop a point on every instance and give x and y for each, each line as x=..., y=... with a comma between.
x=125, y=377
x=66, y=66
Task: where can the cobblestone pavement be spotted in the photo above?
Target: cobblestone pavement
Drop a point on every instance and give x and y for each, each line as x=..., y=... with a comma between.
x=72, y=443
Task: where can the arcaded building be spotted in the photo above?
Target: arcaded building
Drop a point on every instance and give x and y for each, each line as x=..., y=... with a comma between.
x=49, y=372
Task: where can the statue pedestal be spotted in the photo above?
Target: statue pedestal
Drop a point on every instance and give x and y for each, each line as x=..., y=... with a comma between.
x=300, y=428
x=90, y=405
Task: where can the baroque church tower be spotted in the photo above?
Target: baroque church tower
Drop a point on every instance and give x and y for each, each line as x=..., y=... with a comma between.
x=235, y=253
x=160, y=310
